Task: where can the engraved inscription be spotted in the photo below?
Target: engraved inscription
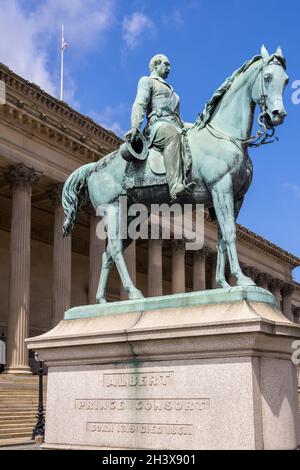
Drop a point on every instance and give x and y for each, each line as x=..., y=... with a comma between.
x=138, y=379
x=141, y=428
x=192, y=404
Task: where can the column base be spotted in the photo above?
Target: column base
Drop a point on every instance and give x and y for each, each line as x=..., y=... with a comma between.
x=23, y=370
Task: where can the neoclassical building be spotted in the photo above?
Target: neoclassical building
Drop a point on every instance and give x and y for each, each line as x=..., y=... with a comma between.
x=42, y=140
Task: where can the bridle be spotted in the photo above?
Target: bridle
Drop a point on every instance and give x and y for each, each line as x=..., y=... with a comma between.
x=262, y=136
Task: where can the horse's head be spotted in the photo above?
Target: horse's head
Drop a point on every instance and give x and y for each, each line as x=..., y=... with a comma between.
x=269, y=86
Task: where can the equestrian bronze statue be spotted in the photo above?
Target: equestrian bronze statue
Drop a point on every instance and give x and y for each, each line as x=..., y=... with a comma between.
x=206, y=162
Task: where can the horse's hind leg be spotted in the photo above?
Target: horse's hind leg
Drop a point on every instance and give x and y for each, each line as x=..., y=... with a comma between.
x=107, y=262
x=115, y=248
x=222, y=195
x=221, y=262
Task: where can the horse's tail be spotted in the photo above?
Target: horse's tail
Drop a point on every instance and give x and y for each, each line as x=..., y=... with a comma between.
x=74, y=194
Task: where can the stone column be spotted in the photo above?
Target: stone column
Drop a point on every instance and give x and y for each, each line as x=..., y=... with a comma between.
x=130, y=260
x=275, y=287
x=213, y=265
x=155, y=281
x=96, y=250
x=199, y=268
x=178, y=266
x=287, y=291
x=295, y=312
x=62, y=257
x=21, y=179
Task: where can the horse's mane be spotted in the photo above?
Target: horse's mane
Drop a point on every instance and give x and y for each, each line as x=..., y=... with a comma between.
x=210, y=106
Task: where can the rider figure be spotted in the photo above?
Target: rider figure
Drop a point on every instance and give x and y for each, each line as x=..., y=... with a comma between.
x=157, y=100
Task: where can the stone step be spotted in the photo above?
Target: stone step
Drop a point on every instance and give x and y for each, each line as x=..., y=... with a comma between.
x=16, y=441
x=19, y=406
x=17, y=426
x=10, y=430
x=5, y=396
x=18, y=396
x=17, y=409
x=19, y=412
x=17, y=420
x=19, y=381
x=13, y=435
x=19, y=390
x=23, y=402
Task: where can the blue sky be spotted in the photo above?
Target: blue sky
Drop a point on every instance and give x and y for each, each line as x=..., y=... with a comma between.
x=110, y=44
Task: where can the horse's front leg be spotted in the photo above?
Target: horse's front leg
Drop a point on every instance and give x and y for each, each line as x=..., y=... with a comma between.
x=222, y=195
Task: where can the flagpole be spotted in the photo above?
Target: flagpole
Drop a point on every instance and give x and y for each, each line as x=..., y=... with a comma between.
x=62, y=63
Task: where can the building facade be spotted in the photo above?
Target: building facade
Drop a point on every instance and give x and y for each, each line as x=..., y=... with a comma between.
x=42, y=140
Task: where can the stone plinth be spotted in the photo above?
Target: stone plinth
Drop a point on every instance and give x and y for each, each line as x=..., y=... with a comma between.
x=203, y=370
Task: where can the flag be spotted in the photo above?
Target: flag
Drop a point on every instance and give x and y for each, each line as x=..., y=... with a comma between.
x=64, y=44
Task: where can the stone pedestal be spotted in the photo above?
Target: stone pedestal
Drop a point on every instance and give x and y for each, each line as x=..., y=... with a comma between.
x=203, y=370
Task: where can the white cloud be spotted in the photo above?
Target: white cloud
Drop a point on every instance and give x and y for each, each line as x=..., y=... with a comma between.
x=18, y=46
x=27, y=35
x=173, y=19
x=134, y=26
x=110, y=118
x=295, y=188
x=85, y=20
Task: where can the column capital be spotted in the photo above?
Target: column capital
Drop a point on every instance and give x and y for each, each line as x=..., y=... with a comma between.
x=263, y=278
x=54, y=192
x=204, y=253
x=157, y=241
x=252, y=272
x=211, y=255
x=276, y=283
x=287, y=289
x=21, y=176
x=178, y=244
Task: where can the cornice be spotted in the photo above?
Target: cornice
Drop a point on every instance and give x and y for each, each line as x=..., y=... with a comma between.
x=29, y=107
x=246, y=235
x=256, y=240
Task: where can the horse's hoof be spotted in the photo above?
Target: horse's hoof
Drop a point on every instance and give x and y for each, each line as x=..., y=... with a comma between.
x=245, y=281
x=135, y=294
x=102, y=300
x=223, y=285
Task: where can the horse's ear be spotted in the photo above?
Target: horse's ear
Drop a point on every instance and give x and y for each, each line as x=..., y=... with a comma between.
x=264, y=54
x=279, y=52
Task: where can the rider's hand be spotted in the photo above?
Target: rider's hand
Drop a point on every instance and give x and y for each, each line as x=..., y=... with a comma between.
x=132, y=134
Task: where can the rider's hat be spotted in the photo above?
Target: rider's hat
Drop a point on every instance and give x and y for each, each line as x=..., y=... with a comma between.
x=137, y=149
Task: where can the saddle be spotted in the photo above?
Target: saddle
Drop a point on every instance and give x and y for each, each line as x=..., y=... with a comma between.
x=148, y=172
x=151, y=170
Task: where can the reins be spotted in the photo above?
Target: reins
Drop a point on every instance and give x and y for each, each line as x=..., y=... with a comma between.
x=262, y=136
